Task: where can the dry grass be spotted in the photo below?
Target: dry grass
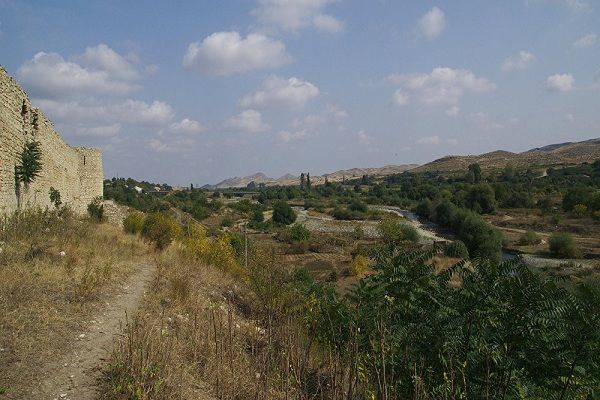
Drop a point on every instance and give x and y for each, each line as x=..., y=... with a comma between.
x=54, y=269
x=193, y=338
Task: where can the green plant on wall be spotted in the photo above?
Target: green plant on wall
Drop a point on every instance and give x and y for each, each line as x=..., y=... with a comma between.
x=29, y=167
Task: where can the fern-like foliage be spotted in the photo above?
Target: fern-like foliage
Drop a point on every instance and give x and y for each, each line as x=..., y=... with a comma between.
x=504, y=332
x=30, y=163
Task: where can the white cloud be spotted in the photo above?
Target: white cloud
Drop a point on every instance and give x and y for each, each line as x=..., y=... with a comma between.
x=103, y=58
x=453, y=111
x=442, y=86
x=571, y=117
x=49, y=75
x=293, y=15
x=434, y=140
x=227, y=53
x=287, y=136
x=560, y=82
x=519, y=62
x=400, y=98
x=336, y=112
x=187, y=126
x=433, y=23
x=275, y=91
x=248, y=121
x=126, y=112
x=483, y=122
x=586, y=41
x=158, y=145
x=99, y=131
x=573, y=5
x=365, y=139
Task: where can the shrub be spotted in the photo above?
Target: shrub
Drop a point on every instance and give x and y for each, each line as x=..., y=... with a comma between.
x=457, y=249
x=96, y=210
x=257, y=216
x=357, y=205
x=283, y=213
x=359, y=266
x=580, y=210
x=299, y=233
x=160, y=229
x=358, y=232
x=227, y=222
x=409, y=233
x=529, y=238
x=390, y=231
x=55, y=197
x=425, y=209
x=133, y=223
x=563, y=245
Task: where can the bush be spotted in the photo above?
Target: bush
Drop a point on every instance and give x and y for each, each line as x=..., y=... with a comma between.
x=133, y=223
x=357, y=205
x=457, y=249
x=55, y=197
x=299, y=233
x=359, y=266
x=529, y=238
x=358, y=232
x=283, y=213
x=409, y=233
x=580, y=210
x=393, y=232
x=562, y=245
x=227, y=222
x=96, y=210
x=160, y=229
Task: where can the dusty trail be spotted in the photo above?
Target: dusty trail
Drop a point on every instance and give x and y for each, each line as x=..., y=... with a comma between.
x=75, y=376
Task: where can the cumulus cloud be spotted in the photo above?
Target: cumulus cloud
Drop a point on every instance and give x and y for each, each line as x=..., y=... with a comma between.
x=364, y=138
x=248, y=121
x=287, y=136
x=519, y=62
x=294, y=15
x=433, y=23
x=126, y=112
x=187, y=127
x=442, y=86
x=586, y=41
x=49, y=75
x=430, y=140
x=276, y=91
x=453, y=111
x=483, y=122
x=99, y=131
x=560, y=82
x=336, y=112
x=228, y=53
x=104, y=58
x=436, y=140
x=400, y=98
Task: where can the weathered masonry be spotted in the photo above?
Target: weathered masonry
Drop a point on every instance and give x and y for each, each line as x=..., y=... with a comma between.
x=76, y=172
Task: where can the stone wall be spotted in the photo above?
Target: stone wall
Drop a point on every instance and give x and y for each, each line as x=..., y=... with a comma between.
x=76, y=172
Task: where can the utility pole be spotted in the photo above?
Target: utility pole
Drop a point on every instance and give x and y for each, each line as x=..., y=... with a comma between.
x=246, y=244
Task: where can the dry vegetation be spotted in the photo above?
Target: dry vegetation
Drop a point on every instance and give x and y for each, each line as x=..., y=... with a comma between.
x=54, y=272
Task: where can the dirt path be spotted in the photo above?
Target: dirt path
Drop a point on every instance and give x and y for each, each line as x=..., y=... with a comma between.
x=75, y=376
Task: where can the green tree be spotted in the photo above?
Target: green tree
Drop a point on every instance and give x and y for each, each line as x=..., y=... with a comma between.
x=474, y=174
x=29, y=167
x=283, y=213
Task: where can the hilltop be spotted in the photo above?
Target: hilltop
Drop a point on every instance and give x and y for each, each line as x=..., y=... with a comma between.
x=554, y=154
x=290, y=179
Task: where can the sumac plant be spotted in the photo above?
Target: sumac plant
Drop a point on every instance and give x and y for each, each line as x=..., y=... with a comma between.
x=479, y=330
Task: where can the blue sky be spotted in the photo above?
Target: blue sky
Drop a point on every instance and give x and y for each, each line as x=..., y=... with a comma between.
x=197, y=91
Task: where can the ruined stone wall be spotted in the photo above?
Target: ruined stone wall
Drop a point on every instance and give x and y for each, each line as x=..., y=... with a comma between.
x=76, y=172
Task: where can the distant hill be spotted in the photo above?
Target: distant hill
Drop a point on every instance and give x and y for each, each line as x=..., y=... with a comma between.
x=553, y=154
x=289, y=179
